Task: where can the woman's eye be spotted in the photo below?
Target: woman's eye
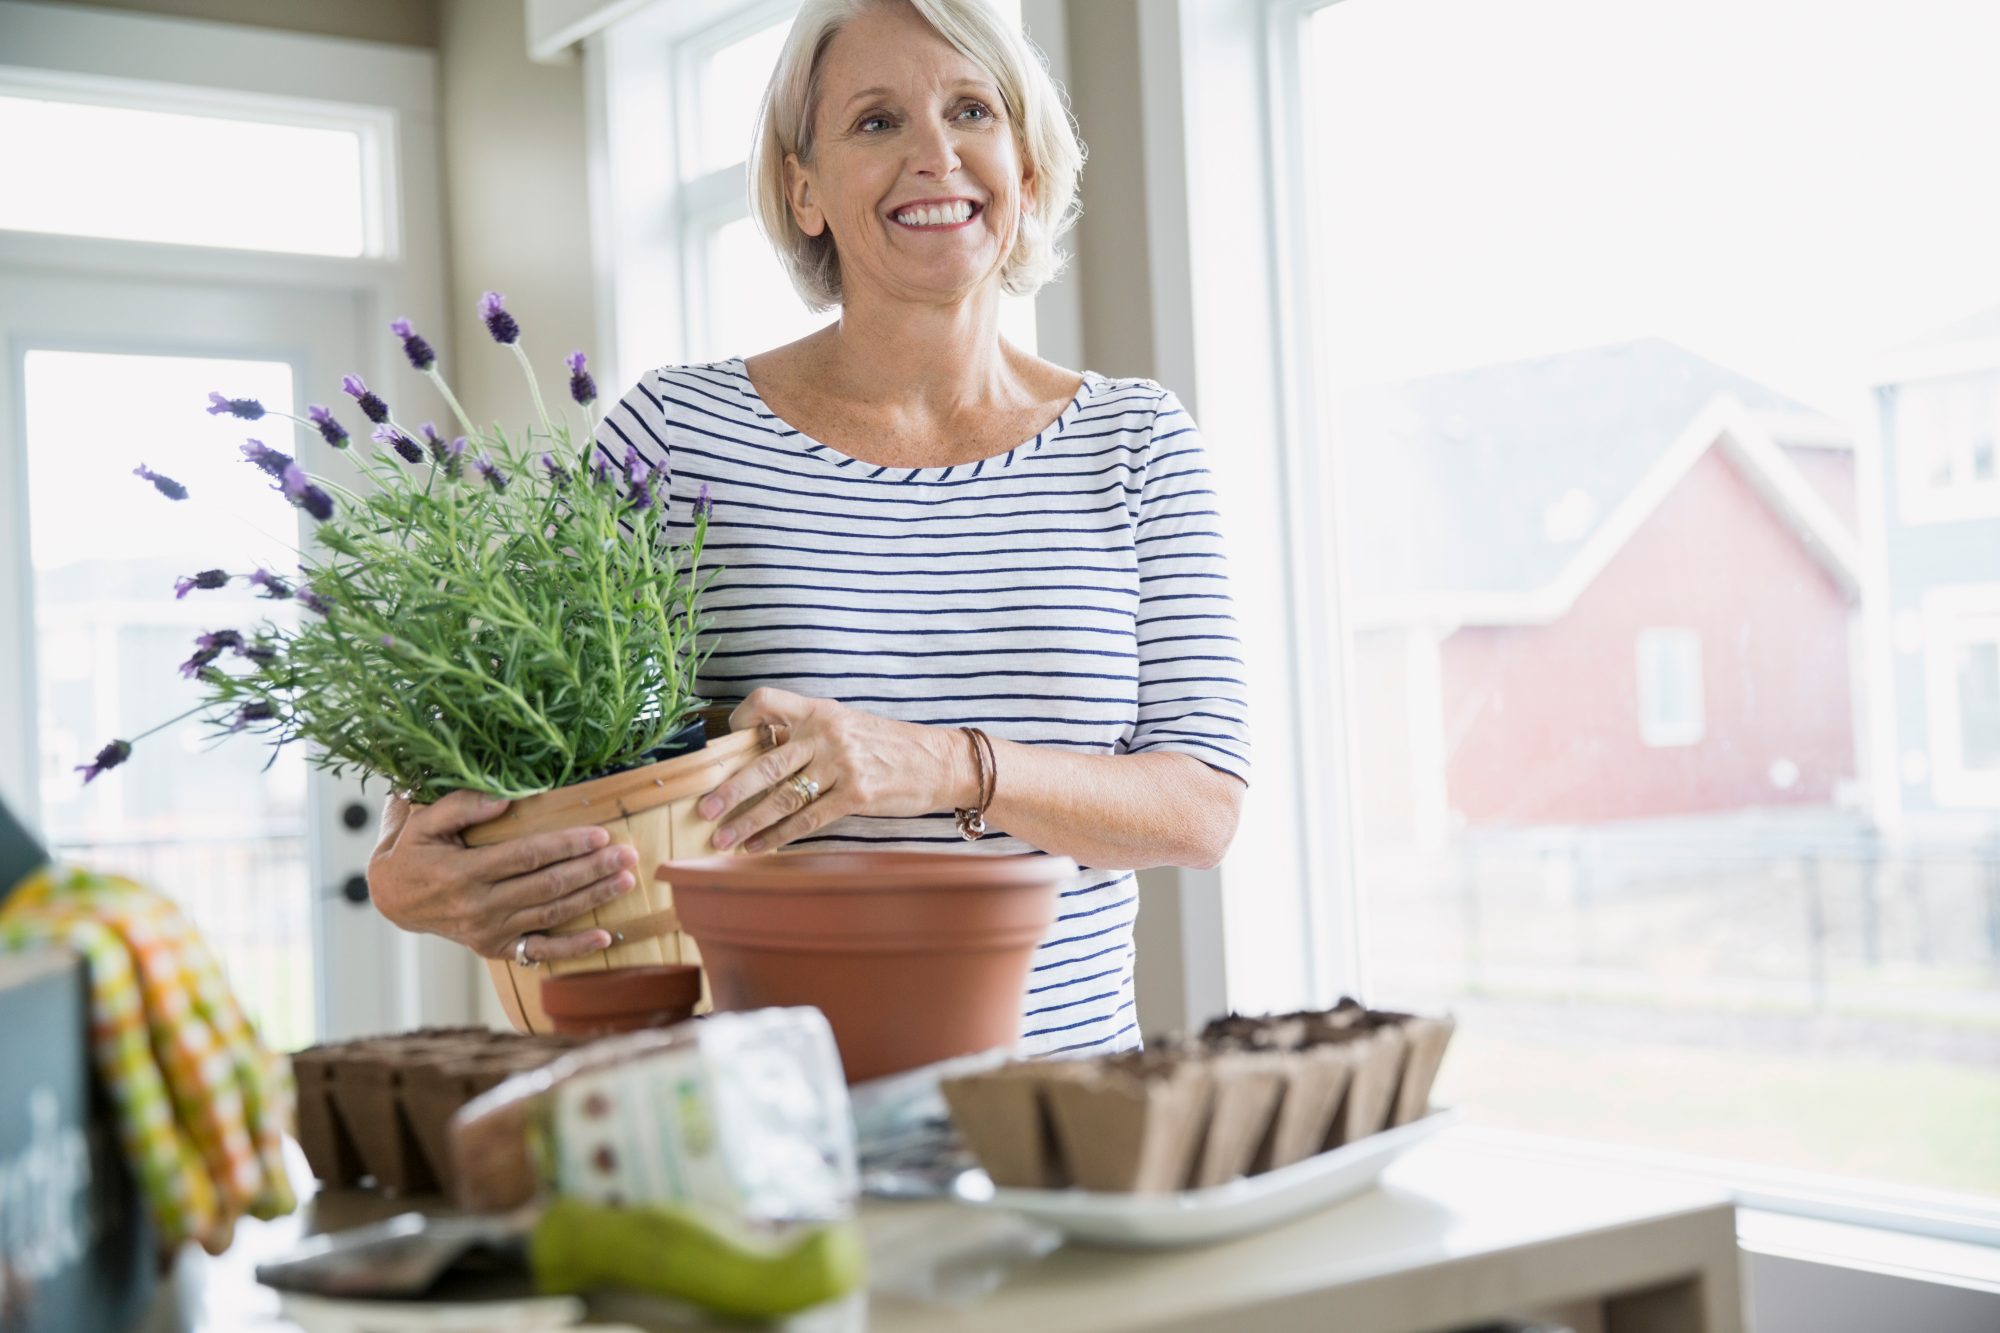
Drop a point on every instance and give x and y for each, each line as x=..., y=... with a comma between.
x=869, y=120
x=975, y=106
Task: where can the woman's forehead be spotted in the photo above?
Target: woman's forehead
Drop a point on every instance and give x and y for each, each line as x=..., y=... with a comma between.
x=886, y=53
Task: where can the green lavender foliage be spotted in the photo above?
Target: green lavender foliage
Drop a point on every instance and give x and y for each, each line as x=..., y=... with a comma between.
x=508, y=639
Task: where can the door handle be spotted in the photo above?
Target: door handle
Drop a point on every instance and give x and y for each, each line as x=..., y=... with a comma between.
x=355, y=889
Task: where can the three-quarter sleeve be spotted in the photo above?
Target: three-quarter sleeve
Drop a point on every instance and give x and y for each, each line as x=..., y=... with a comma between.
x=1192, y=695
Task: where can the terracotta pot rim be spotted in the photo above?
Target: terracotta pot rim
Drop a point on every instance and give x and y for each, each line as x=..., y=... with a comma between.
x=827, y=873
x=622, y=990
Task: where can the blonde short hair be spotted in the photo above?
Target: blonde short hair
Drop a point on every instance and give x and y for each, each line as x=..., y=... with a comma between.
x=1043, y=129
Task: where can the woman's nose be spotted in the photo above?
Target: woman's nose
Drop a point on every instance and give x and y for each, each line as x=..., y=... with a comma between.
x=933, y=152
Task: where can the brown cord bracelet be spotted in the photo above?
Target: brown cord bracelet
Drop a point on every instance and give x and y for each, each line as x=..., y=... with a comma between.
x=972, y=822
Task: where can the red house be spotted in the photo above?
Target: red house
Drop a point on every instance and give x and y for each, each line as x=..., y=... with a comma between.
x=1614, y=584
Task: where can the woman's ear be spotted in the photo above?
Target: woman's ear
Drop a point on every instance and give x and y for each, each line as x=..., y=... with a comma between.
x=799, y=193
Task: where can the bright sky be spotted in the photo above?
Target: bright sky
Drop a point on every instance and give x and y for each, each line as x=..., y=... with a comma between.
x=1787, y=187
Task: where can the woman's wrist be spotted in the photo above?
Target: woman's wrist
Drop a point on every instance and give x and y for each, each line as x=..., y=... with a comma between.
x=958, y=769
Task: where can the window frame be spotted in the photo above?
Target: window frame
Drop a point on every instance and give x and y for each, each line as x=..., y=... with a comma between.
x=376, y=127
x=1954, y=617
x=1283, y=211
x=1960, y=497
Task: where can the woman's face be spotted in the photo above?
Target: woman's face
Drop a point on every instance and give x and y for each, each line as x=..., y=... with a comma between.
x=904, y=119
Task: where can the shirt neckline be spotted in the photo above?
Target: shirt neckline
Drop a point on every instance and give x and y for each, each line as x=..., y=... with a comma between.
x=864, y=470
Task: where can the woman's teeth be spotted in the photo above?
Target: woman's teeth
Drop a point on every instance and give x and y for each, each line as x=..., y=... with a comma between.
x=939, y=215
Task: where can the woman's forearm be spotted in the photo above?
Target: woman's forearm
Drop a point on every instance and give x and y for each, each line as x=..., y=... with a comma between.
x=1109, y=812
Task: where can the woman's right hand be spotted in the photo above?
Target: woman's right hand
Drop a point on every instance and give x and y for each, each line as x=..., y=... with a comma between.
x=424, y=878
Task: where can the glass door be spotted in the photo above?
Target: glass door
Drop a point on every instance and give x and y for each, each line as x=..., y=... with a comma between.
x=103, y=376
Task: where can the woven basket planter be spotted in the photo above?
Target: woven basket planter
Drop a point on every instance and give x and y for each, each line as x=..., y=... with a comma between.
x=651, y=809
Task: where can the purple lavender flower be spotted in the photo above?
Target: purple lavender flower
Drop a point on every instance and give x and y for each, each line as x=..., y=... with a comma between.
x=454, y=458
x=166, y=486
x=636, y=468
x=329, y=430
x=704, y=505
x=272, y=461
x=217, y=640
x=298, y=488
x=202, y=657
x=274, y=588
x=486, y=468
x=247, y=408
x=388, y=641
x=263, y=654
x=601, y=470
x=400, y=442
x=557, y=472
x=110, y=756
x=433, y=441
x=208, y=579
x=315, y=603
x=582, y=387
x=420, y=353
x=257, y=710
x=372, y=406
x=498, y=322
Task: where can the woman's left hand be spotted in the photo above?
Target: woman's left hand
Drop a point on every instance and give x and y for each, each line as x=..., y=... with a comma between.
x=862, y=764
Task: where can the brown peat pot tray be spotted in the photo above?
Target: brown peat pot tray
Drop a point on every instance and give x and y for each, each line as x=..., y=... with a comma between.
x=376, y=1109
x=914, y=957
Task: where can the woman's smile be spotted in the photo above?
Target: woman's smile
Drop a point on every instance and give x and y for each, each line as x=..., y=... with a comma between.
x=954, y=216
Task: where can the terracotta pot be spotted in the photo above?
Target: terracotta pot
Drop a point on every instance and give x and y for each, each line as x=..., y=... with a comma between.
x=649, y=808
x=913, y=957
x=624, y=999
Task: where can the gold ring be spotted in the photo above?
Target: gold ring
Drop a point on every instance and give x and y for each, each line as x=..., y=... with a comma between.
x=807, y=789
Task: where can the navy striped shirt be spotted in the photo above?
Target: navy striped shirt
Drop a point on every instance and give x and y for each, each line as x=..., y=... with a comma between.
x=1070, y=592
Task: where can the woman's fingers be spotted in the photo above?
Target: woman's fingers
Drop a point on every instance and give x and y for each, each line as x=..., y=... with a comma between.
x=554, y=912
x=525, y=855
x=537, y=901
x=457, y=811
x=755, y=777
x=783, y=814
x=555, y=948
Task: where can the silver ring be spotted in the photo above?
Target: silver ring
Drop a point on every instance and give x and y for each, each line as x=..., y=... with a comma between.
x=807, y=789
x=521, y=958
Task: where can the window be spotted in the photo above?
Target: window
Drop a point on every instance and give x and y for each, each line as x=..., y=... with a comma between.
x=1961, y=648
x=681, y=89
x=1597, y=363
x=1670, y=686
x=1947, y=433
x=184, y=179
x=210, y=824
x=1979, y=706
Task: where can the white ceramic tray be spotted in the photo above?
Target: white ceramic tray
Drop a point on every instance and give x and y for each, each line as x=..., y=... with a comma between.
x=1201, y=1217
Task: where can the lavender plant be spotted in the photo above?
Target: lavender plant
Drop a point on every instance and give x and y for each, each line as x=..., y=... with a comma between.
x=496, y=613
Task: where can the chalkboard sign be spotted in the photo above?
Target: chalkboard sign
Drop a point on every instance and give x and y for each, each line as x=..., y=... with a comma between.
x=75, y=1251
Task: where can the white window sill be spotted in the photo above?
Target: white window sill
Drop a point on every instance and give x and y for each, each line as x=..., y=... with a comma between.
x=1931, y=1236
x=1868, y=1249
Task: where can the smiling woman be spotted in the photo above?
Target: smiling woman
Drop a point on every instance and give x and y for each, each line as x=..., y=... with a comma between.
x=967, y=586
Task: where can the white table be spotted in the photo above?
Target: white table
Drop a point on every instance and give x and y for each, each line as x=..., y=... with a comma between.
x=1458, y=1232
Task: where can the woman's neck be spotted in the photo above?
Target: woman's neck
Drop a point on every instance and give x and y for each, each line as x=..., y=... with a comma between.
x=925, y=365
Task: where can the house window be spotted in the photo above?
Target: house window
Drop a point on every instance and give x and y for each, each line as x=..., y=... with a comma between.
x=1947, y=435
x=1670, y=705
x=1979, y=706
x=204, y=179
